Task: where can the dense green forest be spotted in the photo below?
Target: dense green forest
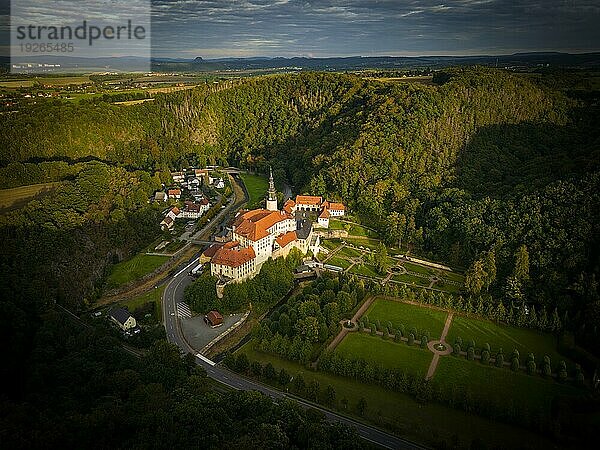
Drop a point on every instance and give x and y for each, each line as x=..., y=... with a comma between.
x=482, y=163
x=493, y=171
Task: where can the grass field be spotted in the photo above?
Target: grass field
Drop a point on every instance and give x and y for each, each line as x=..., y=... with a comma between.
x=453, y=288
x=358, y=230
x=425, y=423
x=349, y=252
x=387, y=353
x=411, y=279
x=501, y=385
x=154, y=296
x=505, y=337
x=51, y=81
x=418, y=268
x=366, y=270
x=424, y=319
x=10, y=198
x=330, y=244
x=336, y=224
x=133, y=269
x=257, y=186
x=341, y=262
x=364, y=242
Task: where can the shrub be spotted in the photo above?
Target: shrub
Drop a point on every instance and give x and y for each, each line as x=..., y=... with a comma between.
x=456, y=349
x=514, y=364
x=401, y=330
x=312, y=390
x=269, y=372
x=373, y=329
x=458, y=341
x=499, y=359
x=398, y=336
x=515, y=354
x=531, y=367
x=471, y=353
x=424, y=341
x=411, y=339
x=562, y=372
x=486, y=346
x=579, y=377
x=385, y=336
x=299, y=384
x=256, y=368
x=361, y=406
x=284, y=378
x=485, y=357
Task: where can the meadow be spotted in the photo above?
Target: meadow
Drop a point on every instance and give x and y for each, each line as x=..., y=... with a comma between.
x=256, y=185
x=133, y=268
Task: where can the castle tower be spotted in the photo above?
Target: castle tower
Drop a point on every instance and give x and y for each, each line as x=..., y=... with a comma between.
x=271, y=193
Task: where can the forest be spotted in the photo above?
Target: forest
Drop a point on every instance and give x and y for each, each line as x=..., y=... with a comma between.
x=491, y=171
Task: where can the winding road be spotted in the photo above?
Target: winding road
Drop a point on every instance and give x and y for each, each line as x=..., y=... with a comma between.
x=173, y=294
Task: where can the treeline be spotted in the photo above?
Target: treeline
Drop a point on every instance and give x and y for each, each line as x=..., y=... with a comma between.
x=294, y=330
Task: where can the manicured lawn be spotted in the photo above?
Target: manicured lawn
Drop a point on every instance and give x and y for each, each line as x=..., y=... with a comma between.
x=350, y=252
x=501, y=385
x=340, y=262
x=330, y=244
x=411, y=279
x=154, y=296
x=134, y=268
x=411, y=359
x=366, y=270
x=424, y=319
x=359, y=230
x=526, y=341
x=335, y=224
x=452, y=276
x=453, y=288
x=418, y=268
x=257, y=186
x=364, y=242
x=421, y=422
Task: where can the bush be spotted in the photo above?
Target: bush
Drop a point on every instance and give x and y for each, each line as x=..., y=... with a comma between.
x=312, y=391
x=458, y=341
x=284, y=377
x=471, y=354
x=424, y=341
x=361, y=406
x=411, y=339
x=485, y=357
x=514, y=364
x=486, y=346
x=256, y=368
x=269, y=372
x=456, y=349
x=298, y=383
x=499, y=360
x=373, y=329
x=398, y=336
x=531, y=367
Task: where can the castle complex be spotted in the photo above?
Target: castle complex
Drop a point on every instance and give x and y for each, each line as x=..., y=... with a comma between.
x=260, y=234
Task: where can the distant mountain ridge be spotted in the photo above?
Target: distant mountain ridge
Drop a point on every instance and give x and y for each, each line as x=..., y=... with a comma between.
x=201, y=64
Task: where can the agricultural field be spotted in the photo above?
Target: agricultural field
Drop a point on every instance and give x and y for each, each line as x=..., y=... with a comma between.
x=387, y=353
x=505, y=337
x=397, y=312
x=256, y=185
x=48, y=81
x=134, y=268
x=19, y=196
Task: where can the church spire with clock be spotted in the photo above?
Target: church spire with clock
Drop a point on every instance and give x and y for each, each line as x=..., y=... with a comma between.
x=271, y=193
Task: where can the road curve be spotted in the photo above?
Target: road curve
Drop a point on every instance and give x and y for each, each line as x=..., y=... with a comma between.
x=173, y=294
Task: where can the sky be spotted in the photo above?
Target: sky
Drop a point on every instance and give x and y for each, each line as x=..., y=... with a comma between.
x=244, y=28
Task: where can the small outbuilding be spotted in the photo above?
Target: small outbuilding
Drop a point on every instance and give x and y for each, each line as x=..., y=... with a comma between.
x=214, y=319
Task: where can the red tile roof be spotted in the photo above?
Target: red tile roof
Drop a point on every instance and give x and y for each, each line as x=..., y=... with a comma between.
x=232, y=255
x=174, y=191
x=324, y=214
x=254, y=224
x=308, y=200
x=210, y=251
x=214, y=317
x=337, y=206
x=289, y=205
x=285, y=239
x=175, y=210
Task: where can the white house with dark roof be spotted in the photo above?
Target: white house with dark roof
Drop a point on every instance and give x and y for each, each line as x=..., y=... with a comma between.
x=124, y=320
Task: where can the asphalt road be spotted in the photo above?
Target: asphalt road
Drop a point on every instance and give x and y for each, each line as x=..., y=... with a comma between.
x=173, y=294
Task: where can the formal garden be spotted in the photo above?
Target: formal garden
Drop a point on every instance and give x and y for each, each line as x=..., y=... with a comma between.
x=460, y=359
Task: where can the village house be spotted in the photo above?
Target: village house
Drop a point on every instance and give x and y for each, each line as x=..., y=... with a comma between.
x=178, y=177
x=161, y=196
x=174, y=193
x=194, y=210
x=122, y=318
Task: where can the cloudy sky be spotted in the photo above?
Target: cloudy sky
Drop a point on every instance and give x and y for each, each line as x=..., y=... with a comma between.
x=225, y=28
